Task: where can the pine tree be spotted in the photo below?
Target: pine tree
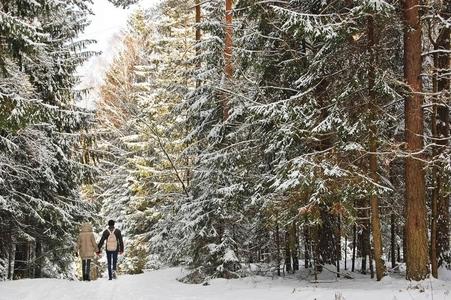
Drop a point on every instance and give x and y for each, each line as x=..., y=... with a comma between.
x=281, y=118
x=139, y=131
x=41, y=206
x=123, y=3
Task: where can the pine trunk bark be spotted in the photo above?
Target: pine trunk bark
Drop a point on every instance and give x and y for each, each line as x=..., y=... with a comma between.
x=306, y=247
x=327, y=236
x=288, y=267
x=198, y=18
x=198, y=37
x=393, y=246
x=346, y=252
x=374, y=202
x=278, y=246
x=38, y=260
x=11, y=255
x=338, y=244
x=364, y=235
x=354, y=246
x=443, y=132
x=11, y=261
x=370, y=258
x=294, y=243
x=317, y=265
x=435, y=192
x=228, y=64
x=416, y=226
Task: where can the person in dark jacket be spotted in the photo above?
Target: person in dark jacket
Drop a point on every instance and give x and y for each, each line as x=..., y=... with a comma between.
x=114, y=245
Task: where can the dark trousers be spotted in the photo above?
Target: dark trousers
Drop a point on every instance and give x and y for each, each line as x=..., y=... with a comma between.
x=111, y=257
x=86, y=267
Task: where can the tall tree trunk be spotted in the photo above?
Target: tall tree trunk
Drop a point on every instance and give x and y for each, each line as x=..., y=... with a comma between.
x=294, y=243
x=327, y=251
x=440, y=131
x=354, y=246
x=370, y=257
x=11, y=260
x=198, y=36
x=443, y=131
x=363, y=236
x=393, y=239
x=364, y=247
x=30, y=259
x=346, y=252
x=338, y=244
x=416, y=239
x=306, y=247
x=404, y=244
x=435, y=192
x=198, y=19
x=288, y=267
x=228, y=64
x=38, y=260
x=11, y=252
x=315, y=250
x=375, y=219
x=278, y=245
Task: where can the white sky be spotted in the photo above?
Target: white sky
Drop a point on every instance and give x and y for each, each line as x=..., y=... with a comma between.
x=108, y=20
x=106, y=25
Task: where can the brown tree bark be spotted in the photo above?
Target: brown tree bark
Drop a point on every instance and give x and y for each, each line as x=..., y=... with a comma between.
x=11, y=253
x=278, y=245
x=346, y=252
x=198, y=35
x=327, y=236
x=363, y=234
x=317, y=265
x=294, y=245
x=416, y=238
x=38, y=260
x=288, y=267
x=306, y=247
x=435, y=192
x=443, y=131
x=354, y=246
x=198, y=18
x=370, y=259
x=365, y=245
x=440, y=131
x=228, y=48
x=338, y=244
x=374, y=202
x=393, y=245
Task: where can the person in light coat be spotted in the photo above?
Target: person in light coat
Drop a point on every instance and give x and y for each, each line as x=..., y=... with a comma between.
x=86, y=249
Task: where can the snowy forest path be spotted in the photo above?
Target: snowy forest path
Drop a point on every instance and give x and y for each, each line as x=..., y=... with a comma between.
x=162, y=285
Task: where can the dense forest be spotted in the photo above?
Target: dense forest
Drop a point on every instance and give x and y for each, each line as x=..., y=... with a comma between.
x=231, y=137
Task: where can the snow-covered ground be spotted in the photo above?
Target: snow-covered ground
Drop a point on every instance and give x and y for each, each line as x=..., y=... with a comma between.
x=162, y=285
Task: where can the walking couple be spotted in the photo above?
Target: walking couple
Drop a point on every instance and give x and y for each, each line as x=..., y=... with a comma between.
x=87, y=248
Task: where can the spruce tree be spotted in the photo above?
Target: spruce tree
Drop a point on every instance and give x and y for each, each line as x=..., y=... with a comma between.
x=39, y=127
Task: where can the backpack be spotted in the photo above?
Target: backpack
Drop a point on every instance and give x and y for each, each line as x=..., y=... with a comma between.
x=111, y=242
